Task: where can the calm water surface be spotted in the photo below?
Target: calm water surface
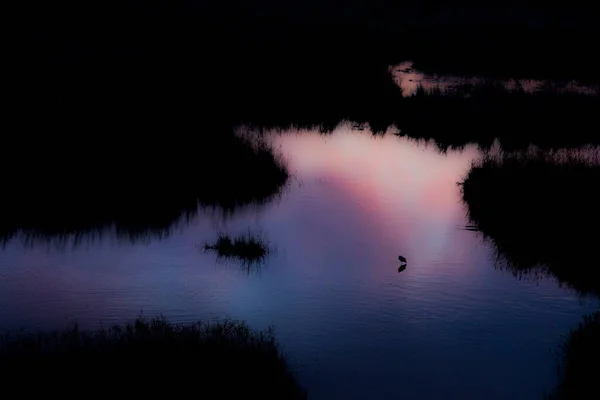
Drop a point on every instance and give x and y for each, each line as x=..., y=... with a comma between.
x=450, y=326
x=409, y=79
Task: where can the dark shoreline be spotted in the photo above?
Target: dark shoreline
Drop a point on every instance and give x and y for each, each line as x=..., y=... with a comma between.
x=165, y=358
x=519, y=200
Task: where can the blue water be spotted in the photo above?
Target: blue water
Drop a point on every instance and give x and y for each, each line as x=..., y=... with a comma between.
x=451, y=325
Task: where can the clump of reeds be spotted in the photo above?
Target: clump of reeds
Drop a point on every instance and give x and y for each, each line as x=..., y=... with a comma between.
x=249, y=248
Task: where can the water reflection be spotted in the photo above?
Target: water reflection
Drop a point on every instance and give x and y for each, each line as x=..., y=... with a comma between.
x=250, y=249
x=409, y=80
x=352, y=326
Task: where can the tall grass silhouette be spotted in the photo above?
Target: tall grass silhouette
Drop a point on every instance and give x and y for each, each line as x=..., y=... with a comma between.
x=250, y=248
x=540, y=210
x=149, y=357
x=136, y=187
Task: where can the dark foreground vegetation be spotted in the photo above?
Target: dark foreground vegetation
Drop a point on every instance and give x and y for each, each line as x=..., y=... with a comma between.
x=580, y=355
x=149, y=358
x=541, y=211
x=250, y=249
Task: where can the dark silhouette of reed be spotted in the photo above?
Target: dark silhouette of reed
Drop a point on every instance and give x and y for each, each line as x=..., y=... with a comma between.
x=540, y=209
x=250, y=249
x=466, y=114
x=149, y=357
x=481, y=114
x=137, y=187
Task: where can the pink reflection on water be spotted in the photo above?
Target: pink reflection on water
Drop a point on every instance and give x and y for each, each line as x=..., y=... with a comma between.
x=382, y=171
x=386, y=195
x=409, y=80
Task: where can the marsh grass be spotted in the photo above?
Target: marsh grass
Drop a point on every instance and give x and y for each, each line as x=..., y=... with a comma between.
x=149, y=357
x=249, y=248
x=452, y=118
x=134, y=189
x=483, y=113
x=540, y=209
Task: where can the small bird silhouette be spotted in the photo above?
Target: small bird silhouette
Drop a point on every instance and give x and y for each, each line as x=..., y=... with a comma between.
x=402, y=259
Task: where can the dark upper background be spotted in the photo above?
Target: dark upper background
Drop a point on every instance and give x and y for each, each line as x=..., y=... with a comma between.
x=104, y=60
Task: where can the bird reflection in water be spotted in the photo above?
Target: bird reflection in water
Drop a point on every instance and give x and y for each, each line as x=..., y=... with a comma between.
x=402, y=266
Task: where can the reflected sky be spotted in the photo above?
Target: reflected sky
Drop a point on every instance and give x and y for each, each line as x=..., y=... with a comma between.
x=409, y=79
x=449, y=326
